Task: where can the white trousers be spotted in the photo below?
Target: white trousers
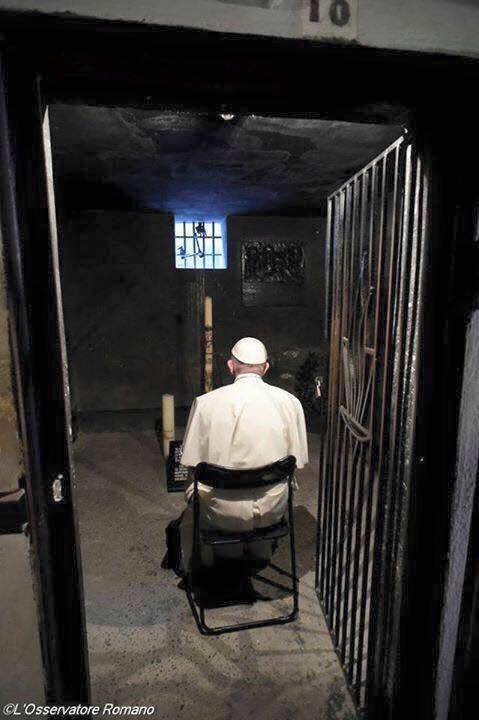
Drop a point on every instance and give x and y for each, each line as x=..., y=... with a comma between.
x=261, y=549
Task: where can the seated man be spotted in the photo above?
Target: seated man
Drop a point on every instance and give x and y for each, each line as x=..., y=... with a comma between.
x=245, y=425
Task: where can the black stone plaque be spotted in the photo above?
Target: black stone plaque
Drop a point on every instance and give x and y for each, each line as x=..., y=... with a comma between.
x=272, y=272
x=176, y=474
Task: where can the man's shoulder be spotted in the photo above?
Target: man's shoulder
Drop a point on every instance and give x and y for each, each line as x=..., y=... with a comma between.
x=228, y=393
x=282, y=394
x=214, y=396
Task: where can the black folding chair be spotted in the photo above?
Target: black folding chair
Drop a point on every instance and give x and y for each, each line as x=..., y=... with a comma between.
x=218, y=477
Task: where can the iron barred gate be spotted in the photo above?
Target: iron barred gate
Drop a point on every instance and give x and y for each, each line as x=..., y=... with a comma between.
x=377, y=238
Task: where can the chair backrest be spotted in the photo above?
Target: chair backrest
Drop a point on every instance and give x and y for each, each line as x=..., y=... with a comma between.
x=223, y=478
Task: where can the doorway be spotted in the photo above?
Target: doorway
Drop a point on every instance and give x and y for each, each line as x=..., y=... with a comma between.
x=99, y=63
x=131, y=187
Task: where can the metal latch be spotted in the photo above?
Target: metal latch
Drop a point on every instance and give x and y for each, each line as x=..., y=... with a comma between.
x=318, y=394
x=57, y=488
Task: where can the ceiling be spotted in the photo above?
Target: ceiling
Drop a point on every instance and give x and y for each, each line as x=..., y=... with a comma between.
x=199, y=165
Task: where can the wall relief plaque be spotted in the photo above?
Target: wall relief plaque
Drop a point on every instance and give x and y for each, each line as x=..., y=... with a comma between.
x=272, y=272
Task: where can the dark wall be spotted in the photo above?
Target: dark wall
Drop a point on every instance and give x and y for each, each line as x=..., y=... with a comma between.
x=120, y=302
x=289, y=333
x=133, y=321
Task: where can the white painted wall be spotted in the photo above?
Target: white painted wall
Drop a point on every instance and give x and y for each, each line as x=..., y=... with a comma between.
x=448, y=26
x=21, y=673
x=461, y=514
x=11, y=462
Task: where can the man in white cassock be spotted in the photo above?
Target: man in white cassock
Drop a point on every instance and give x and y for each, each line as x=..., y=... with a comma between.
x=245, y=425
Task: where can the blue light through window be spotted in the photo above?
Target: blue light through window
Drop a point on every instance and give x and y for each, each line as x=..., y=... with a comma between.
x=199, y=245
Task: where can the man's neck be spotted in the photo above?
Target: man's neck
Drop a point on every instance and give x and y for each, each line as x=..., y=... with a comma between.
x=248, y=375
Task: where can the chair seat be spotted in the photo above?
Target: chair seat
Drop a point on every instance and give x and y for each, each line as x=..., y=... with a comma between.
x=220, y=537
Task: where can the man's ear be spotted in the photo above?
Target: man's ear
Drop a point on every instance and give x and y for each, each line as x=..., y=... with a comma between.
x=231, y=367
x=266, y=368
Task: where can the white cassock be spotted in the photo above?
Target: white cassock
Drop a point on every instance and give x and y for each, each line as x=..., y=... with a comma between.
x=247, y=424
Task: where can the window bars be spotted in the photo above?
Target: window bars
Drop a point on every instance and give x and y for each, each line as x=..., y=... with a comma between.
x=376, y=235
x=199, y=245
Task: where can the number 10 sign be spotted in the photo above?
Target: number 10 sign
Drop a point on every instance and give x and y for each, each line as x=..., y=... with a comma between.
x=333, y=19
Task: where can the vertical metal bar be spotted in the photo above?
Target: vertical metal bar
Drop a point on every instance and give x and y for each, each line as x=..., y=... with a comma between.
x=382, y=469
x=358, y=344
x=396, y=427
x=337, y=380
x=368, y=208
x=365, y=503
x=324, y=444
x=336, y=376
x=195, y=243
x=341, y=434
x=353, y=456
x=412, y=278
x=343, y=439
x=329, y=255
x=329, y=264
x=329, y=436
x=358, y=511
x=332, y=388
x=184, y=243
x=213, y=244
x=347, y=450
x=374, y=415
x=337, y=484
x=203, y=248
x=357, y=478
x=338, y=464
x=409, y=392
x=292, y=546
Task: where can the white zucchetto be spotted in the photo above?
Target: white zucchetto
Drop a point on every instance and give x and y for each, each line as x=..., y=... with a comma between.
x=250, y=351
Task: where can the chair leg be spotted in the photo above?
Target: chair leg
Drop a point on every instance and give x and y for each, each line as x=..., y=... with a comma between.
x=199, y=610
x=198, y=617
x=205, y=629
x=294, y=571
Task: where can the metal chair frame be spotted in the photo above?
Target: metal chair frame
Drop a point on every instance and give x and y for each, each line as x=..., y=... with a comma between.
x=273, y=532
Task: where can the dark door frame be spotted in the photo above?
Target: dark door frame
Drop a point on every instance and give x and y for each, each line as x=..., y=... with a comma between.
x=57, y=59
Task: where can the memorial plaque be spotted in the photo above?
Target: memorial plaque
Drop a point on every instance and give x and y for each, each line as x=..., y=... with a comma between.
x=272, y=273
x=176, y=474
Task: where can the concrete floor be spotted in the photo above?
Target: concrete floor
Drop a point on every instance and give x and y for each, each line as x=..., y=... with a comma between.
x=143, y=643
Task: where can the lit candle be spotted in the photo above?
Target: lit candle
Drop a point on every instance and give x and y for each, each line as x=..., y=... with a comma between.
x=168, y=421
x=208, y=386
x=208, y=312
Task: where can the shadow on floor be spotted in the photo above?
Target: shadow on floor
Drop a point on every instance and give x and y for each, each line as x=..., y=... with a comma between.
x=144, y=647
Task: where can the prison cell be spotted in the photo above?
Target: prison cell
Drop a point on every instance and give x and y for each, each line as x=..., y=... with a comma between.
x=377, y=242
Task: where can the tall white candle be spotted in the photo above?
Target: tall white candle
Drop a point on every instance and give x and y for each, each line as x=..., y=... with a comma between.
x=208, y=311
x=168, y=421
x=208, y=379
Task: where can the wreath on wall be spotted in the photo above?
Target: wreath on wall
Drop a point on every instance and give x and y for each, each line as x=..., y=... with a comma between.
x=305, y=387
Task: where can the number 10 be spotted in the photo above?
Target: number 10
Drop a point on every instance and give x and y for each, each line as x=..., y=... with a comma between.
x=339, y=12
